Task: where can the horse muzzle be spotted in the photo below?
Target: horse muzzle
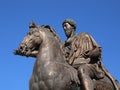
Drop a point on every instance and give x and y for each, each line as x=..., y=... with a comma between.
x=22, y=50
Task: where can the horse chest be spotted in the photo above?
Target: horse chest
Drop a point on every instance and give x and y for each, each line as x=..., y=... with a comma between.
x=45, y=70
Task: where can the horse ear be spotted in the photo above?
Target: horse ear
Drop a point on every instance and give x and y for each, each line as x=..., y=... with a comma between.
x=32, y=24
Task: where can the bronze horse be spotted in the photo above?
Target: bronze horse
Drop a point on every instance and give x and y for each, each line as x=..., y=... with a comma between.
x=51, y=71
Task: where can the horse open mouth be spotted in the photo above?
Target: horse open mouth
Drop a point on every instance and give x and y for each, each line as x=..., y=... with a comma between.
x=22, y=50
x=26, y=51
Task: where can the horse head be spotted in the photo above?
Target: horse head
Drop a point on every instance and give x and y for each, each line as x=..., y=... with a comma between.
x=30, y=45
x=31, y=42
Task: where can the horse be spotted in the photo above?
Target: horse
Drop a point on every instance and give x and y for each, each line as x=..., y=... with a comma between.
x=51, y=71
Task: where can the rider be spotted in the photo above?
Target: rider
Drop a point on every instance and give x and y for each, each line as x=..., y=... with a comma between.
x=83, y=53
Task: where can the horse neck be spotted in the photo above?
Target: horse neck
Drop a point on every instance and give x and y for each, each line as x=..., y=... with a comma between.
x=50, y=50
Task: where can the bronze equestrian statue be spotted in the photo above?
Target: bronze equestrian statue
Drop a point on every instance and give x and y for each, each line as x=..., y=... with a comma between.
x=73, y=65
x=51, y=71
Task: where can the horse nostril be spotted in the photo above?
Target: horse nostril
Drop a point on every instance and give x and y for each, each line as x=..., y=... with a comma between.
x=21, y=48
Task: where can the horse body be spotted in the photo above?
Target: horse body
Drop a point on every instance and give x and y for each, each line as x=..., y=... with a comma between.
x=51, y=71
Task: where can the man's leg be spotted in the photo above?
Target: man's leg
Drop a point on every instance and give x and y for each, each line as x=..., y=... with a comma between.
x=85, y=78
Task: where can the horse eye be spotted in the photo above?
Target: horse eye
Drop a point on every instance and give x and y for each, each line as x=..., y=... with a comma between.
x=29, y=33
x=64, y=25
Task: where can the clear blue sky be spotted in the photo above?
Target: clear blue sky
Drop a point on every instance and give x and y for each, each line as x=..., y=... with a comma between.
x=100, y=18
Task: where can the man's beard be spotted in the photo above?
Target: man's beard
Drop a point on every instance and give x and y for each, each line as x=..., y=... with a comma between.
x=68, y=33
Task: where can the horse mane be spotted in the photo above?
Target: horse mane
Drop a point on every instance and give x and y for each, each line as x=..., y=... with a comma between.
x=52, y=31
x=56, y=37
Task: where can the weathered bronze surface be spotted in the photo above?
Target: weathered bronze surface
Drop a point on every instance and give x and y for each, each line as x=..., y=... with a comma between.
x=73, y=65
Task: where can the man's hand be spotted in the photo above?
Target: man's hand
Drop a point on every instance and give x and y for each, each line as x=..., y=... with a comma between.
x=92, y=53
x=85, y=54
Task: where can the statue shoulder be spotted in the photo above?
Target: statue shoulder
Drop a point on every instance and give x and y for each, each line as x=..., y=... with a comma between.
x=86, y=38
x=83, y=35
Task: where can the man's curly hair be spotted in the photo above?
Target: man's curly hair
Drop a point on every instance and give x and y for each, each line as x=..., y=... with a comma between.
x=71, y=22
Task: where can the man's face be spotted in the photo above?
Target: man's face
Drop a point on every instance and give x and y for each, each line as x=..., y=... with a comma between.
x=68, y=29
